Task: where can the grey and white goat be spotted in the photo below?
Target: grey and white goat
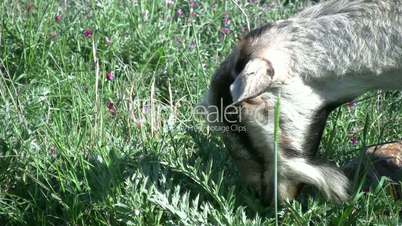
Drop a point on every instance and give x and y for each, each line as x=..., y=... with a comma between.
x=324, y=56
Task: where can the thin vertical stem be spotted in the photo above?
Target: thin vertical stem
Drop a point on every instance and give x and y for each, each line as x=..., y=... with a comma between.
x=276, y=150
x=244, y=13
x=97, y=71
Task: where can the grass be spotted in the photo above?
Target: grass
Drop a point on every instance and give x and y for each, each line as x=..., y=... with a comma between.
x=78, y=149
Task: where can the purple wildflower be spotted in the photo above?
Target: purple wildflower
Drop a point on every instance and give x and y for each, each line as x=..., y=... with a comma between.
x=179, y=13
x=193, y=4
x=353, y=140
x=110, y=76
x=57, y=18
x=226, y=24
x=88, y=33
x=111, y=108
x=226, y=20
x=225, y=30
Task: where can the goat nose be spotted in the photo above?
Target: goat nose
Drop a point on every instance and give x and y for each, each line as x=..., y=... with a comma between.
x=251, y=82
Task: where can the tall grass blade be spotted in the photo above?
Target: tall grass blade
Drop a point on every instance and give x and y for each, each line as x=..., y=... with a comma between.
x=276, y=149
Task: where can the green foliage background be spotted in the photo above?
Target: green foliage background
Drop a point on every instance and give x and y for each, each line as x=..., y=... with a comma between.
x=77, y=149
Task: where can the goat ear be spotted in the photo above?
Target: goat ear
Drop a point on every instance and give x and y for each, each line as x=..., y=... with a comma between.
x=255, y=78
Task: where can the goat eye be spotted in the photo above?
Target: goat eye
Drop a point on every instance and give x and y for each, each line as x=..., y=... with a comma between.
x=270, y=72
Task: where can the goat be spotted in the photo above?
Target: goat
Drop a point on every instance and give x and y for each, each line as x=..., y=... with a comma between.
x=322, y=57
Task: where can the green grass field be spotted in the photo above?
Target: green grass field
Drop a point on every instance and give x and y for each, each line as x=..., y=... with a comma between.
x=96, y=123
